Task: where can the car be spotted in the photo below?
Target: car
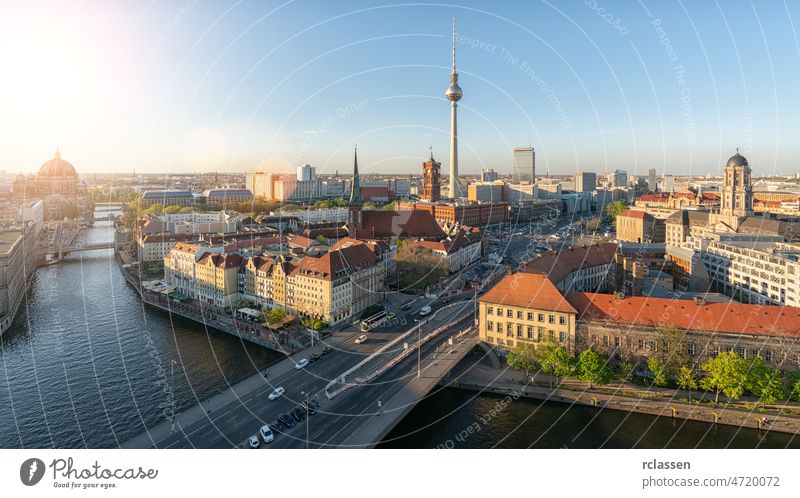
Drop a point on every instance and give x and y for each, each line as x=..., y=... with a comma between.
x=406, y=307
x=266, y=434
x=446, y=300
x=390, y=316
x=327, y=350
x=361, y=338
x=298, y=413
x=301, y=364
x=253, y=441
x=309, y=408
x=277, y=393
x=425, y=310
x=314, y=357
x=276, y=426
x=286, y=420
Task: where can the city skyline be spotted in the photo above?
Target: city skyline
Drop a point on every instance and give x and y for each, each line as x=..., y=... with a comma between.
x=270, y=87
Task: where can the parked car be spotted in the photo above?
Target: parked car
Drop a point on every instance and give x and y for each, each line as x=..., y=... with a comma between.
x=298, y=413
x=253, y=441
x=308, y=408
x=277, y=393
x=361, y=338
x=286, y=420
x=425, y=310
x=276, y=426
x=406, y=307
x=327, y=350
x=301, y=364
x=314, y=357
x=266, y=434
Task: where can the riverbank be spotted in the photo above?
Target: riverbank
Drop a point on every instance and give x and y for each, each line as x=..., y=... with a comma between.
x=624, y=396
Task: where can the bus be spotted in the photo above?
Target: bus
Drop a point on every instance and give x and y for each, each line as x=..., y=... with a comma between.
x=375, y=320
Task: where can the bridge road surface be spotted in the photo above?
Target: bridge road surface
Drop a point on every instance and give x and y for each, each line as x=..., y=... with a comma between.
x=228, y=423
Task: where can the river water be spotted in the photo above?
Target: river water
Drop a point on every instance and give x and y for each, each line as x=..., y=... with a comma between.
x=86, y=365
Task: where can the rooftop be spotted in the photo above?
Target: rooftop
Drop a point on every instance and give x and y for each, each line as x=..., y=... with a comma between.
x=527, y=290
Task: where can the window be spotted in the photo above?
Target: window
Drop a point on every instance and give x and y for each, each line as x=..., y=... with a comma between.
x=616, y=342
x=539, y=333
x=490, y=326
x=562, y=320
x=768, y=356
x=519, y=330
x=690, y=348
x=562, y=336
x=629, y=343
x=665, y=346
x=509, y=313
x=499, y=311
x=530, y=332
x=641, y=344
x=519, y=315
x=593, y=338
x=499, y=327
x=490, y=339
x=541, y=317
x=551, y=319
x=754, y=352
x=530, y=316
x=551, y=334
x=605, y=340
x=489, y=310
x=741, y=352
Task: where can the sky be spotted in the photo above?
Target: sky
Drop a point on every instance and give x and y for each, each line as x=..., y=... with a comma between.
x=198, y=85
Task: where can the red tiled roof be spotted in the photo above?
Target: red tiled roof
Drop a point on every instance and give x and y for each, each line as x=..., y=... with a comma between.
x=380, y=224
x=221, y=260
x=527, y=290
x=730, y=318
x=557, y=265
x=338, y=263
x=654, y=197
x=369, y=193
x=633, y=213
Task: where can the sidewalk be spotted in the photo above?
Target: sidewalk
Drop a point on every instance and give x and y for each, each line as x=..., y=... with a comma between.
x=618, y=396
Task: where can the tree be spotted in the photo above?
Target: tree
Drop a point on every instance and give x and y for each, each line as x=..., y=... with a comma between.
x=615, y=208
x=793, y=392
x=624, y=370
x=727, y=373
x=593, y=367
x=764, y=382
x=659, y=370
x=523, y=357
x=554, y=360
x=322, y=239
x=275, y=315
x=172, y=209
x=390, y=206
x=686, y=379
x=672, y=350
x=418, y=266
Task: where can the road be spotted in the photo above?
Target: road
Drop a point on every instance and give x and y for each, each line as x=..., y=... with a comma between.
x=231, y=423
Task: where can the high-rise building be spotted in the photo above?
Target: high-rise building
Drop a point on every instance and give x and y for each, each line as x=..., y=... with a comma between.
x=585, y=181
x=619, y=178
x=524, y=168
x=488, y=175
x=453, y=94
x=652, y=183
x=306, y=173
x=669, y=183
x=431, y=186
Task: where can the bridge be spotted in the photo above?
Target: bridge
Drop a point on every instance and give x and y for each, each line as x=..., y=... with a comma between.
x=61, y=251
x=362, y=390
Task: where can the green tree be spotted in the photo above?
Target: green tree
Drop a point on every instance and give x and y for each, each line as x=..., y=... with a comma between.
x=624, y=370
x=672, y=350
x=172, y=209
x=554, y=360
x=793, y=391
x=727, y=373
x=615, y=208
x=686, y=379
x=275, y=315
x=593, y=367
x=659, y=370
x=390, y=206
x=322, y=239
x=764, y=382
x=523, y=357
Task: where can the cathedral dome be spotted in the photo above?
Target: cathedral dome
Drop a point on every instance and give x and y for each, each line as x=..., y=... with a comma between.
x=737, y=160
x=57, y=167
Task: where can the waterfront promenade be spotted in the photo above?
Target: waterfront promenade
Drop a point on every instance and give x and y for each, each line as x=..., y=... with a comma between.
x=625, y=396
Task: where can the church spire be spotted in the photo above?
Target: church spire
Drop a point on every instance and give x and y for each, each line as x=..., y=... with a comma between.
x=355, y=185
x=58, y=153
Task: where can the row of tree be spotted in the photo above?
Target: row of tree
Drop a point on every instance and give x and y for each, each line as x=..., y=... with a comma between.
x=727, y=373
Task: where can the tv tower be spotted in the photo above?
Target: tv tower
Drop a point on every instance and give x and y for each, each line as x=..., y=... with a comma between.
x=453, y=94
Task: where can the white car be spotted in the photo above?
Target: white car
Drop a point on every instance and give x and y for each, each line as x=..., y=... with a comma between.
x=253, y=441
x=361, y=338
x=277, y=393
x=266, y=434
x=301, y=364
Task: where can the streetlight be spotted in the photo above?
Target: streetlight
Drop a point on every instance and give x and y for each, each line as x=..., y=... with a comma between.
x=303, y=393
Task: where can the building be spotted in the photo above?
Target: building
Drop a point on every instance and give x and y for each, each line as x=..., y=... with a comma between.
x=431, y=180
x=585, y=182
x=217, y=278
x=306, y=173
x=540, y=210
x=669, y=183
x=167, y=198
x=471, y=215
x=652, y=182
x=640, y=227
x=488, y=175
x=17, y=265
x=486, y=192
x=225, y=196
x=524, y=167
x=313, y=216
x=453, y=94
x=458, y=252
x=526, y=308
x=516, y=193
x=57, y=183
x=262, y=184
x=737, y=192
x=583, y=269
x=619, y=178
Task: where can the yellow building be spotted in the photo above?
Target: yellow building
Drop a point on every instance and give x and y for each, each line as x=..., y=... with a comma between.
x=217, y=278
x=526, y=308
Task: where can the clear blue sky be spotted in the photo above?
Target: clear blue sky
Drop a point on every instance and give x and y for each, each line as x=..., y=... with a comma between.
x=202, y=86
